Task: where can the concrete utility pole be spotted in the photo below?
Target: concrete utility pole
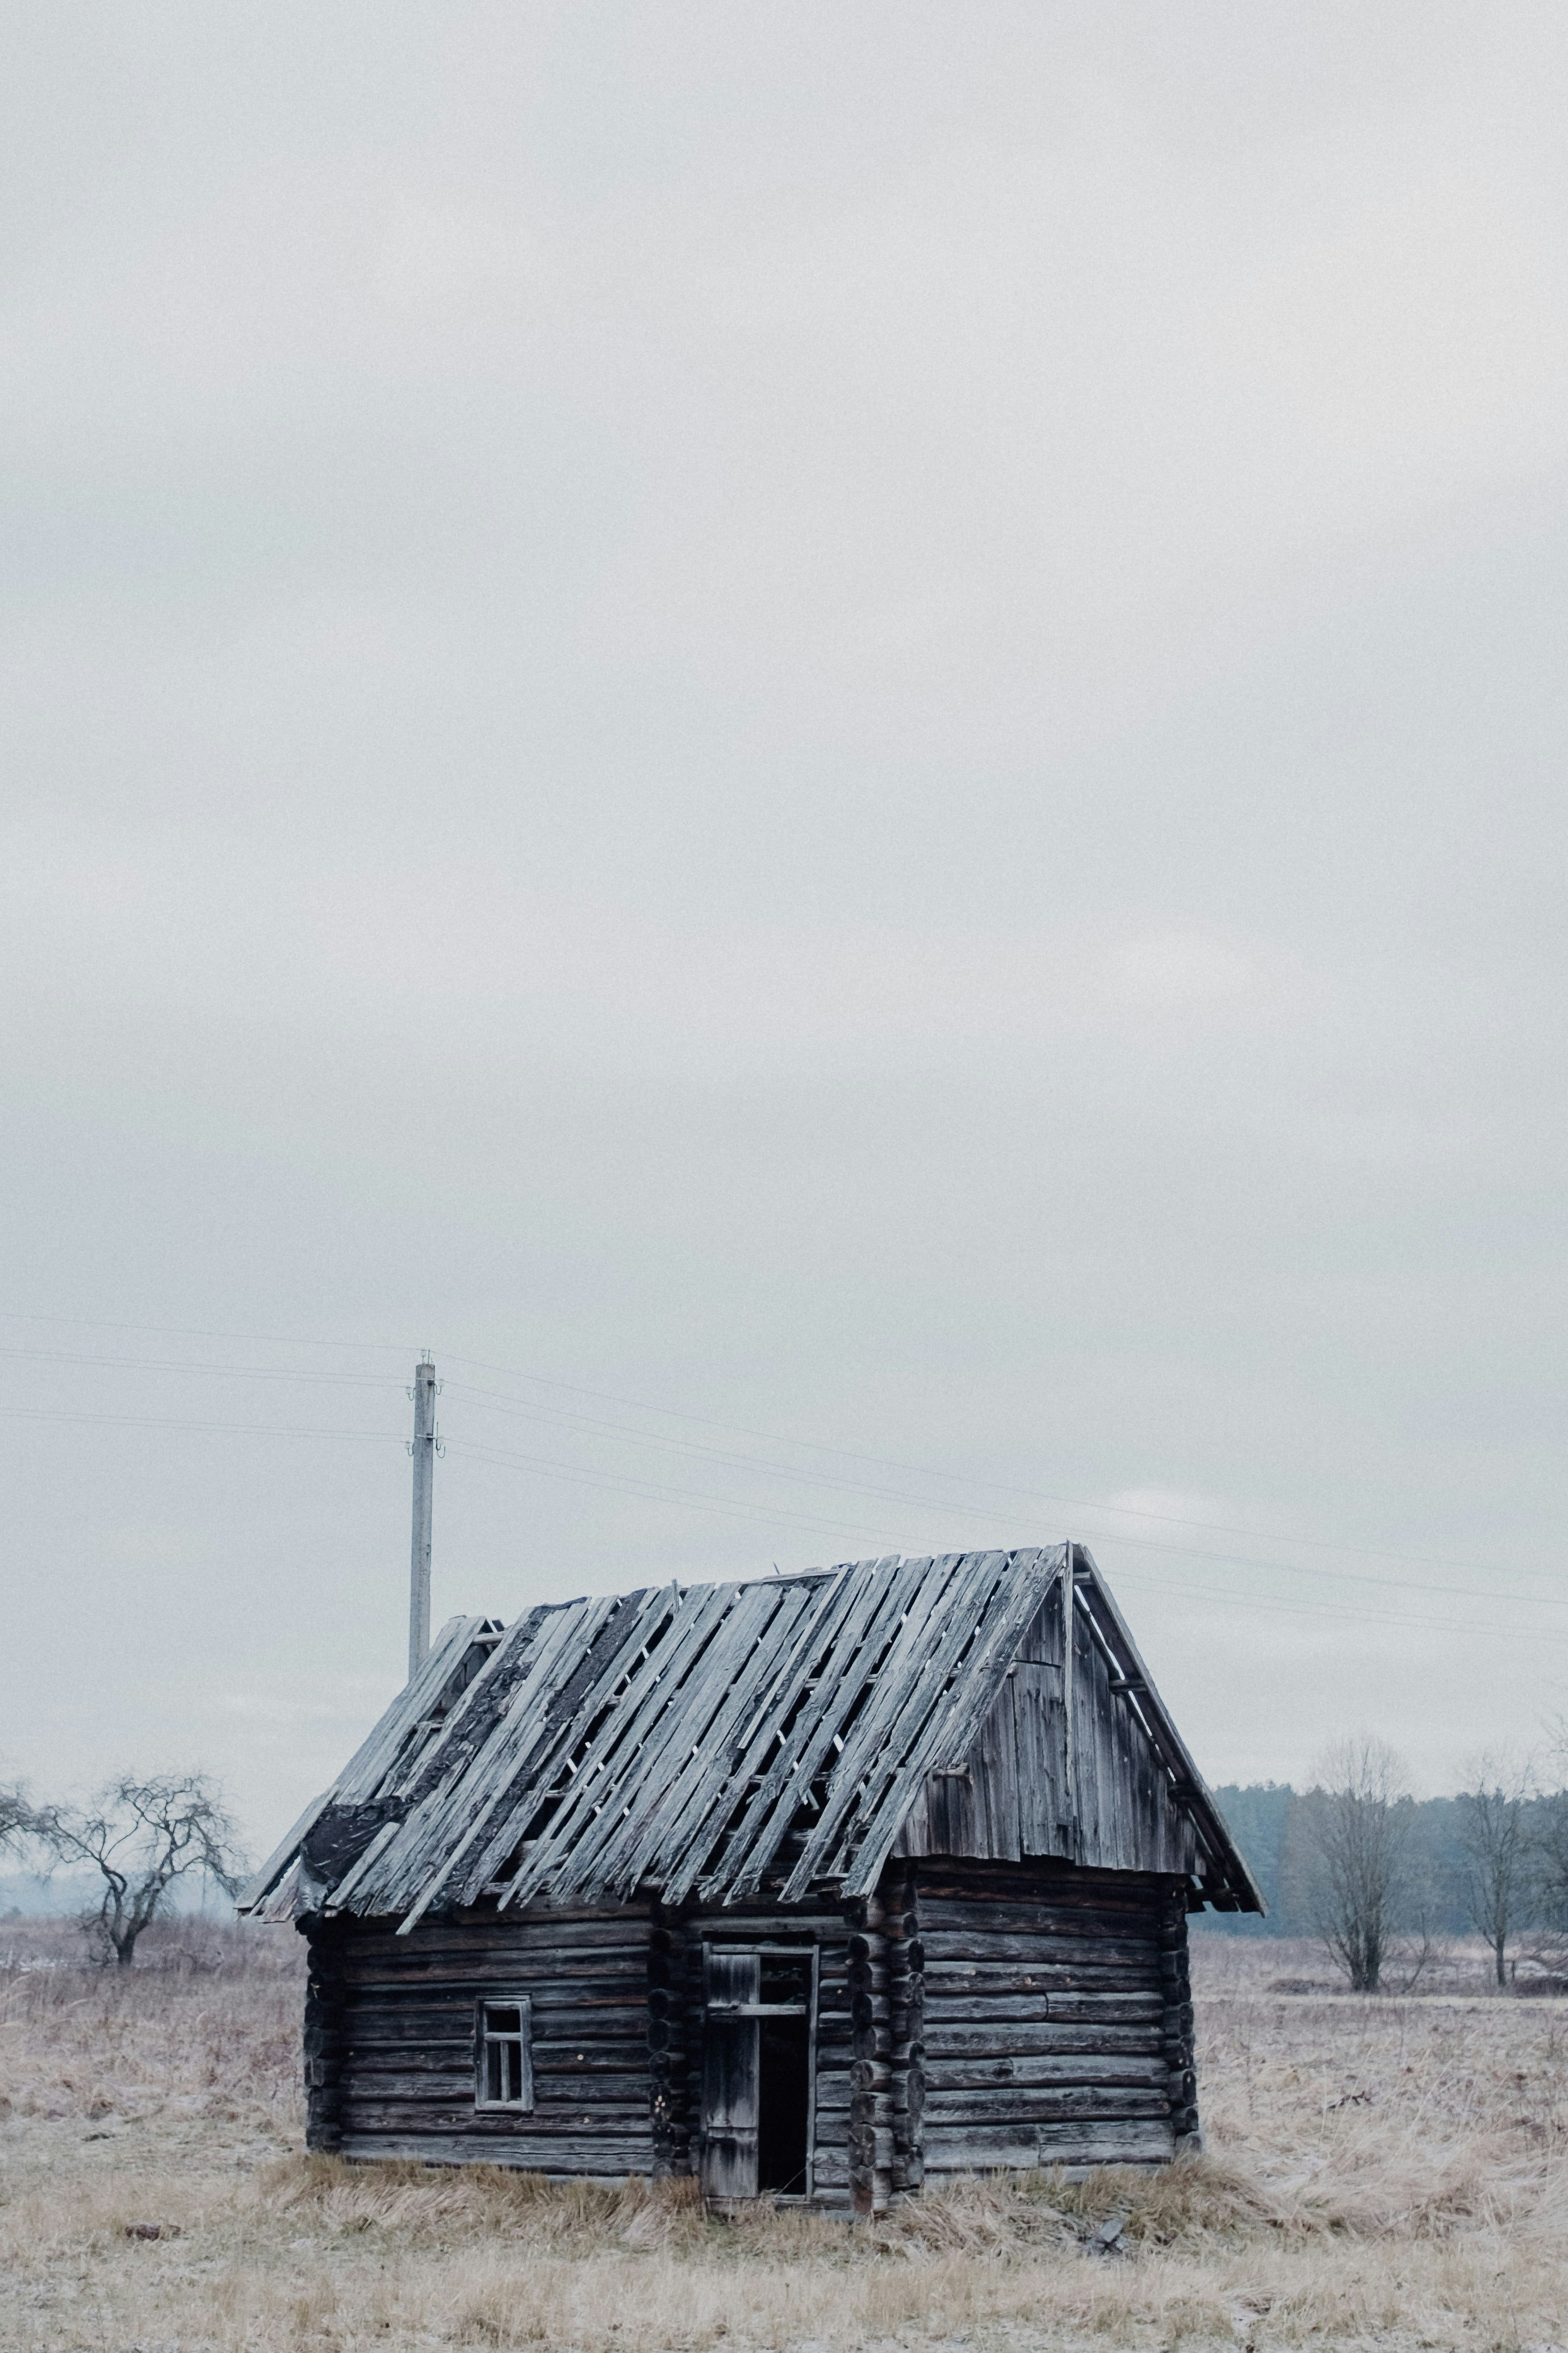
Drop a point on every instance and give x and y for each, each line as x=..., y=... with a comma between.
x=424, y=1452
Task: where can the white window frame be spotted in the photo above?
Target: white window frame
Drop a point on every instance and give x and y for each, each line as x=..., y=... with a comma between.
x=522, y=2041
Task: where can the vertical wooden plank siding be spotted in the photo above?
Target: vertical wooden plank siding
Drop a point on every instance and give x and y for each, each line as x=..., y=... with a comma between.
x=730, y=2073
x=1049, y=2023
x=1068, y=1827
x=1010, y=1798
x=408, y=2008
x=1037, y=1702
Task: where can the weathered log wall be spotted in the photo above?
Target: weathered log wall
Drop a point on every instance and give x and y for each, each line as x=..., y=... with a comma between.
x=1055, y=2025
x=969, y=2015
x=392, y=2022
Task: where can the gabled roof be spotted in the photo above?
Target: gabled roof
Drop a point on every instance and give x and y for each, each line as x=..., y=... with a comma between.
x=701, y=1740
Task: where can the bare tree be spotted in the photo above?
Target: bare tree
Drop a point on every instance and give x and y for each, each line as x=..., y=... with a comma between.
x=17, y=1818
x=140, y=1837
x=1357, y=1824
x=1495, y=1840
x=1549, y=1856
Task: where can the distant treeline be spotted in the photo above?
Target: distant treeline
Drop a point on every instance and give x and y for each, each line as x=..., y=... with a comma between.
x=1269, y=1822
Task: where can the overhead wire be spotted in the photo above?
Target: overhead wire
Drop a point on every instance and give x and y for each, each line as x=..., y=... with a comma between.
x=171, y=1422
x=733, y=1508
x=653, y=1490
x=775, y=1437
x=596, y=1424
x=924, y=1502
x=886, y=1463
x=197, y=1332
x=233, y=1372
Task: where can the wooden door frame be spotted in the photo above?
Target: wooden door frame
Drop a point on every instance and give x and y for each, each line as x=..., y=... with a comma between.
x=766, y=1949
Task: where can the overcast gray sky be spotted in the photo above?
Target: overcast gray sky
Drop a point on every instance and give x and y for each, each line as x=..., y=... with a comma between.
x=801, y=728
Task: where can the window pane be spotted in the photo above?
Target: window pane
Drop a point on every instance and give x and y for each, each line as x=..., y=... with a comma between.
x=493, y=2074
x=502, y=2021
x=785, y=1978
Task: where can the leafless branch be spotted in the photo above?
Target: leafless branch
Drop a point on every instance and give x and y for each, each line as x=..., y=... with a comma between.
x=141, y=1836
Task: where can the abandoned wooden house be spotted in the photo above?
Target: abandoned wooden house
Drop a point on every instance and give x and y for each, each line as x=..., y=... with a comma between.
x=821, y=1887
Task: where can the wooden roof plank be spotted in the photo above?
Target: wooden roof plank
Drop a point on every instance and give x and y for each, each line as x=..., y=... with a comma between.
x=950, y=1731
x=838, y=1633
x=454, y=1790
x=658, y=1677
x=627, y=1853
x=677, y=1738
x=381, y=1746
x=548, y=1718
x=767, y=1700
x=866, y=1639
x=569, y=1723
x=654, y=1706
x=422, y=1697
x=507, y=1661
x=464, y=1808
x=260, y=1883
x=940, y=1621
x=714, y=1764
x=362, y=1872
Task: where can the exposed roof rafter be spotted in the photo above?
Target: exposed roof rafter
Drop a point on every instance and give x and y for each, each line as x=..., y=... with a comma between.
x=706, y=1738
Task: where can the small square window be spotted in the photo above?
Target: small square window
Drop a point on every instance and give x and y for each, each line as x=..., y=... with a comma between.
x=786, y=1980
x=503, y=2068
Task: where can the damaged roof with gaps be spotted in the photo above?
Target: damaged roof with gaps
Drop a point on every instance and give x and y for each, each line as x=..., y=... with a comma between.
x=714, y=1740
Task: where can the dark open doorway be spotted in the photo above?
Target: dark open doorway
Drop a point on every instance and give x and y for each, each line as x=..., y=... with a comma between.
x=783, y=2075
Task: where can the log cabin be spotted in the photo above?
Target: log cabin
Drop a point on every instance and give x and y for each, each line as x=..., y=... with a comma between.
x=824, y=1888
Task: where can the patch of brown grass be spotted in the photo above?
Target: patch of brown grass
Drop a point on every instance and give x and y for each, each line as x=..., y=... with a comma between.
x=206, y=2024
x=1385, y=2174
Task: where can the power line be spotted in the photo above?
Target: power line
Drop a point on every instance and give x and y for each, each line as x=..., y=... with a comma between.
x=235, y=1372
x=660, y=1492
x=197, y=1332
x=732, y=1507
x=165, y=1421
x=775, y=1437
x=655, y=1492
x=920, y=1503
x=1001, y=1487
x=492, y=1401
x=649, y=1490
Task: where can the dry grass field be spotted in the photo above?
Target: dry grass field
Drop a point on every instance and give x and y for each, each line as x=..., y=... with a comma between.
x=1388, y=2173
